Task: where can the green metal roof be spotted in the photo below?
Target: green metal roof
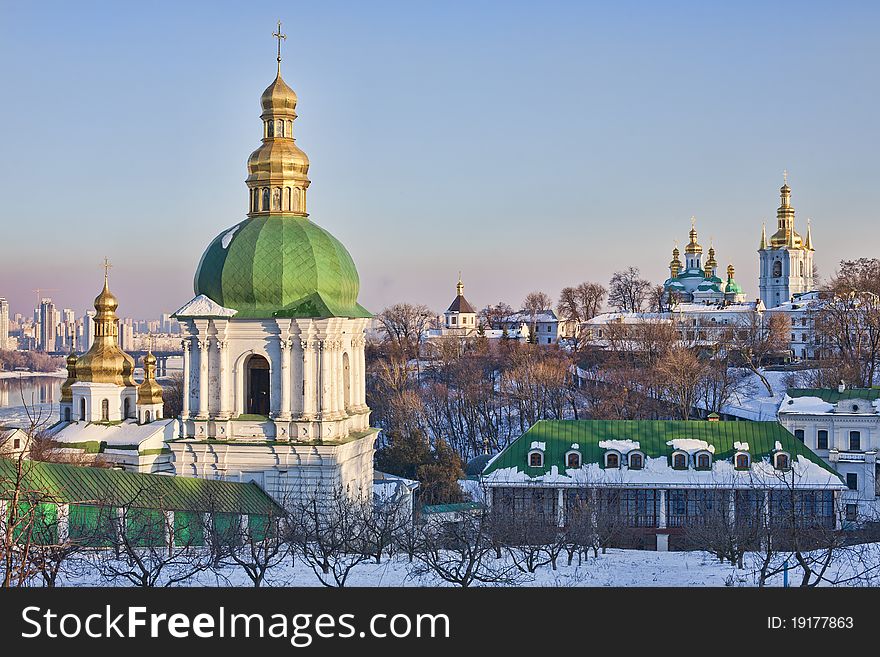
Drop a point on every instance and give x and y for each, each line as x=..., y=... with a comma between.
x=832, y=396
x=652, y=436
x=450, y=508
x=70, y=484
x=274, y=266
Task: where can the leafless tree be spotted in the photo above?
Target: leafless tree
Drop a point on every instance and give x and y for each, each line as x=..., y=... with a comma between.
x=681, y=373
x=257, y=547
x=404, y=324
x=461, y=553
x=627, y=290
x=330, y=535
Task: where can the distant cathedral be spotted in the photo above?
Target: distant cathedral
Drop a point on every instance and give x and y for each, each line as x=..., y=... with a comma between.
x=786, y=266
x=786, y=260
x=698, y=282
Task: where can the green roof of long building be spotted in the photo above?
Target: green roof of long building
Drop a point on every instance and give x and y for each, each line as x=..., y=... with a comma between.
x=832, y=395
x=69, y=484
x=559, y=436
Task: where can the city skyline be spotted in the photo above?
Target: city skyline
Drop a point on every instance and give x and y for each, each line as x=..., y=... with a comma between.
x=524, y=167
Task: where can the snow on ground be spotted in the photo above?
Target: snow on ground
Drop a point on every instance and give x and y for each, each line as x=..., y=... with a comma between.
x=753, y=402
x=621, y=568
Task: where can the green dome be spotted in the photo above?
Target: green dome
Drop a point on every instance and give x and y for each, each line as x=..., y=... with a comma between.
x=733, y=288
x=275, y=266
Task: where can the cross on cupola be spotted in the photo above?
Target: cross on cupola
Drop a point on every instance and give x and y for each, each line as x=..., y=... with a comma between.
x=278, y=35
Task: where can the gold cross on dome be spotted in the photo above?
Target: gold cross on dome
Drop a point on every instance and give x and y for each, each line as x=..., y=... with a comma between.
x=785, y=176
x=278, y=35
x=107, y=267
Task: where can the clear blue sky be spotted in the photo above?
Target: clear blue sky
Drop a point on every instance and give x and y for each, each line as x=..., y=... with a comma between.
x=531, y=145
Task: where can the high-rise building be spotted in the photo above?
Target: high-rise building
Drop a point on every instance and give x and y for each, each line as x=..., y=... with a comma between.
x=47, y=314
x=126, y=334
x=4, y=324
x=88, y=331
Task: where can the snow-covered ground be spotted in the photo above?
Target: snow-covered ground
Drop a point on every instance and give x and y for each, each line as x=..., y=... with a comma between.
x=619, y=568
x=753, y=403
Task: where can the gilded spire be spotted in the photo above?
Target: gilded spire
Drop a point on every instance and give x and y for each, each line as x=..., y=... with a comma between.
x=675, y=263
x=278, y=170
x=459, y=289
x=693, y=246
x=763, y=236
x=149, y=392
x=66, y=392
x=785, y=235
x=808, y=243
x=105, y=362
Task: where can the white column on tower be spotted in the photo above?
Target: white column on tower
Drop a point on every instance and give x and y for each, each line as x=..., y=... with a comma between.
x=203, y=378
x=309, y=373
x=324, y=358
x=284, y=413
x=225, y=392
x=361, y=374
x=184, y=410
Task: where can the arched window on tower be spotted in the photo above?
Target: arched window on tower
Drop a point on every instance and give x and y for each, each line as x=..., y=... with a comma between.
x=289, y=132
x=265, y=199
x=777, y=269
x=294, y=207
x=276, y=198
x=279, y=131
x=288, y=203
x=82, y=409
x=270, y=128
x=802, y=267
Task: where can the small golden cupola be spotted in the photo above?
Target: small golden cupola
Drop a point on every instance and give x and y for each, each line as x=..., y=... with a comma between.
x=149, y=392
x=693, y=246
x=675, y=263
x=278, y=170
x=105, y=362
x=711, y=263
x=785, y=235
x=66, y=392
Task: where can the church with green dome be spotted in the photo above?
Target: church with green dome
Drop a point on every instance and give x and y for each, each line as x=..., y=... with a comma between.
x=273, y=340
x=696, y=281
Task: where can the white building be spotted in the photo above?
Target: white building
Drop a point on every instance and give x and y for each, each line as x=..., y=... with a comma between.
x=4, y=324
x=842, y=427
x=801, y=312
x=548, y=329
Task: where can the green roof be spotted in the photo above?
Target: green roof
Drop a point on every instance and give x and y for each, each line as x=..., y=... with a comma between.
x=832, y=396
x=450, y=508
x=274, y=266
x=70, y=484
x=652, y=436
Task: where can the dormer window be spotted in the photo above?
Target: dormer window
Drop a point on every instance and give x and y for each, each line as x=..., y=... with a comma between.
x=612, y=460
x=636, y=461
x=680, y=461
x=741, y=461
x=573, y=459
x=536, y=458
x=704, y=461
x=781, y=461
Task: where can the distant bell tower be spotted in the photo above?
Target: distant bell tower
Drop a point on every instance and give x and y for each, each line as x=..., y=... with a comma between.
x=786, y=260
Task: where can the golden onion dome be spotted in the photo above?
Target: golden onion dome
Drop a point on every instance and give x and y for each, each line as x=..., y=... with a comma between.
x=277, y=159
x=149, y=392
x=278, y=99
x=105, y=362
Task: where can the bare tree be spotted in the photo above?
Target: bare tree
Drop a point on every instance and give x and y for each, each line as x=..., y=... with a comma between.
x=404, y=324
x=628, y=291
x=256, y=547
x=681, y=373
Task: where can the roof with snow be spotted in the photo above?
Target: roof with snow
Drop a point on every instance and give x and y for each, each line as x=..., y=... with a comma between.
x=657, y=440
x=833, y=395
x=70, y=484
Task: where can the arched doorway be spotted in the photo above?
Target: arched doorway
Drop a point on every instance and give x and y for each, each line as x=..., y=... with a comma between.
x=67, y=415
x=82, y=409
x=256, y=382
x=346, y=381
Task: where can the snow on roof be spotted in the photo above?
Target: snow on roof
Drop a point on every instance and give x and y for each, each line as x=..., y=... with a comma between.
x=536, y=444
x=806, y=405
x=778, y=446
x=575, y=446
x=740, y=447
x=622, y=446
x=128, y=432
x=691, y=445
x=524, y=316
x=657, y=472
x=202, y=306
x=227, y=238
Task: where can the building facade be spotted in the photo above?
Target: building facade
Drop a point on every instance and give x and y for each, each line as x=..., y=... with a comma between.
x=652, y=480
x=841, y=426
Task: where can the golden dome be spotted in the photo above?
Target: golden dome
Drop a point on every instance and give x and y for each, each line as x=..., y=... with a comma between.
x=105, y=362
x=278, y=99
x=277, y=159
x=66, y=392
x=786, y=235
x=693, y=246
x=149, y=392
